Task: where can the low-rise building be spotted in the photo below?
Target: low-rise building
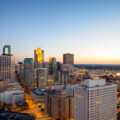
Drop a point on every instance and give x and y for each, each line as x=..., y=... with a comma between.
x=12, y=97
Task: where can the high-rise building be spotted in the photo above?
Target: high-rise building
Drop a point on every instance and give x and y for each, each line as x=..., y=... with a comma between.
x=46, y=65
x=35, y=77
x=59, y=106
x=50, y=81
x=7, y=64
x=20, y=72
x=28, y=74
x=7, y=50
x=95, y=100
x=62, y=77
x=68, y=58
x=67, y=68
x=38, y=58
x=50, y=65
x=19, y=68
x=53, y=66
x=66, y=71
x=59, y=65
x=42, y=78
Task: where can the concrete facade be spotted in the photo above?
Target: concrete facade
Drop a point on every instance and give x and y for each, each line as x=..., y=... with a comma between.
x=95, y=103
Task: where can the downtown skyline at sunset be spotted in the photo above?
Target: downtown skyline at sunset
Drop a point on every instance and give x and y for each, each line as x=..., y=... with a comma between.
x=59, y=59
x=89, y=29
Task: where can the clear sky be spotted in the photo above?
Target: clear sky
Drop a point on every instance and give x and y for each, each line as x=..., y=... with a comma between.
x=88, y=28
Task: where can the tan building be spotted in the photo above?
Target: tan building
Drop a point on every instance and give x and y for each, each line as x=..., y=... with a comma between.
x=58, y=106
x=68, y=58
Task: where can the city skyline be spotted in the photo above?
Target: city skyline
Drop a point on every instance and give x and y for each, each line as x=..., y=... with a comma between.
x=89, y=29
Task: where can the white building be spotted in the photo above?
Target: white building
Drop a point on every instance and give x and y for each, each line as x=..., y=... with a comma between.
x=95, y=100
x=12, y=97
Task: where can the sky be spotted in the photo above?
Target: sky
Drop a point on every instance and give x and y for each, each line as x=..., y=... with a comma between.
x=90, y=29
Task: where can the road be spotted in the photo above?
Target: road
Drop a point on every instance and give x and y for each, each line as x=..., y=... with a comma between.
x=34, y=109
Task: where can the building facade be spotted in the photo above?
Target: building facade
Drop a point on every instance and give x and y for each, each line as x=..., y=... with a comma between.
x=28, y=74
x=20, y=72
x=95, y=100
x=42, y=78
x=53, y=68
x=58, y=106
x=12, y=96
x=46, y=65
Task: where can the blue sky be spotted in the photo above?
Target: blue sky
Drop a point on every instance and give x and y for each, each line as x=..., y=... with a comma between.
x=88, y=28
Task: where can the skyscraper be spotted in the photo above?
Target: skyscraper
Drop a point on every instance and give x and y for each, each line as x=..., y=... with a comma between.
x=19, y=68
x=95, y=100
x=46, y=65
x=7, y=64
x=66, y=71
x=28, y=74
x=20, y=71
x=67, y=68
x=38, y=58
x=68, y=58
x=50, y=65
x=59, y=64
x=7, y=50
x=62, y=77
x=42, y=78
x=53, y=66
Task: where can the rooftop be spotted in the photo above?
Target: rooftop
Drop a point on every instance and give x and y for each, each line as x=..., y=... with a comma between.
x=95, y=83
x=57, y=93
x=28, y=59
